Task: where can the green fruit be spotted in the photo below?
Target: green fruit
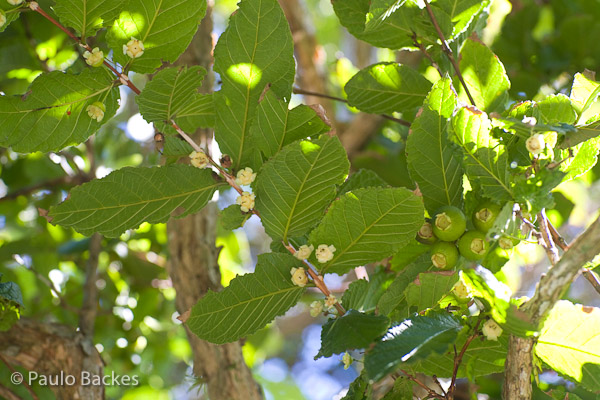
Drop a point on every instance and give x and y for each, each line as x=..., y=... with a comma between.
x=485, y=215
x=507, y=243
x=473, y=246
x=444, y=255
x=425, y=234
x=449, y=223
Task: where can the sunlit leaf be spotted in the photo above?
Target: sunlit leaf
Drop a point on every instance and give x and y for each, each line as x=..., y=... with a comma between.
x=87, y=16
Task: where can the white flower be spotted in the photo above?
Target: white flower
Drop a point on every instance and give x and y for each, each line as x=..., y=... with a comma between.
x=245, y=176
x=505, y=243
x=246, y=201
x=491, y=330
x=14, y=2
x=324, y=253
x=198, y=159
x=95, y=58
x=330, y=301
x=134, y=48
x=316, y=308
x=531, y=121
x=535, y=144
x=304, y=252
x=2, y=18
x=347, y=360
x=96, y=111
x=299, y=277
x=461, y=290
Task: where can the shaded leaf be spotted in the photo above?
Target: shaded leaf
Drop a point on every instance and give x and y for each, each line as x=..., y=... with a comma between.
x=387, y=88
x=255, y=50
x=172, y=94
x=249, y=302
x=232, y=217
x=429, y=288
x=363, y=295
x=395, y=294
x=433, y=164
x=353, y=330
x=276, y=126
x=368, y=225
x=129, y=196
x=413, y=340
x=53, y=115
x=363, y=178
x=176, y=147
x=165, y=27
x=87, y=16
x=296, y=185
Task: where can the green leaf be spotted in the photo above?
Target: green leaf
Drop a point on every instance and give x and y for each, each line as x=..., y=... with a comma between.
x=582, y=134
x=294, y=187
x=360, y=389
x=176, y=147
x=413, y=340
x=165, y=27
x=387, y=88
x=485, y=159
x=276, y=126
x=10, y=13
x=461, y=12
x=53, y=115
x=249, y=302
x=129, y=196
x=429, y=288
x=256, y=50
x=408, y=254
x=402, y=390
x=584, y=92
x=353, y=330
x=10, y=291
x=368, y=225
x=363, y=295
x=173, y=95
x=232, y=217
x=395, y=295
x=570, y=344
x=482, y=357
x=87, y=16
x=9, y=314
x=556, y=108
x=586, y=156
x=363, y=178
x=433, y=164
x=484, y=75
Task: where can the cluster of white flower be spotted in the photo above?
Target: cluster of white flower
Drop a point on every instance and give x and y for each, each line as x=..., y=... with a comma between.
x=2, y=18
x=246, y=201
x=96, y=111
x=491, y=330
x=299, y=277
x=245, y=176
x=95, y=58
x=14, y=2
x=134, y=48
x=461, y=290
x=347, y=360
x=316, y=308
x=330, y=301
x=198, y=159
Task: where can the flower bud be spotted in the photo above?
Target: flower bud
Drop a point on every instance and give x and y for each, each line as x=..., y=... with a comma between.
x=535, y=144
x=299, y=277
x=324, y=253
x=330, y=301
x=198, y=159
x=14, y=2
x=2, y=18
x=316, y=308
x=347, y=360
x=246, y=201
x=245, y=176
x=304, y=252
x=491, y=330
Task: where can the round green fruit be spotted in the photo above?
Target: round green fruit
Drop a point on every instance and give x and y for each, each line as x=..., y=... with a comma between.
x=444, y=255
x=473, y=246
x=485, y=215
x=449, y=223
x=425, y=234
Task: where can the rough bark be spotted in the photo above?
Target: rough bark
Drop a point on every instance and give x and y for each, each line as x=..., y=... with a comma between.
x=194, y=270
x=519, y=367
x=52, y=349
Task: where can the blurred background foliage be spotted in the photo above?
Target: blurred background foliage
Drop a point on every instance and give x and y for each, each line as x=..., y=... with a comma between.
x=542, y=43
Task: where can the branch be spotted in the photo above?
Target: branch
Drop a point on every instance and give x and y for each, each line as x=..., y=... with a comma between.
x=550, y=247
x=592, y=278
x=63, y=180
x=430, y=392
x=448, y=51
x=24, y=382
x=458, y=359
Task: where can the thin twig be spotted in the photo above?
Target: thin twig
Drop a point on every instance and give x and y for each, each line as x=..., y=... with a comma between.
x=429, y=391
x=458, y=359
x=557, y=238
x=448, y=51
x=63, y=180
x=326, y=96
x=24, y=382
x=54, y=290
x=550, y=248
x=437, y=381
x=426, y=53
x=592, y=278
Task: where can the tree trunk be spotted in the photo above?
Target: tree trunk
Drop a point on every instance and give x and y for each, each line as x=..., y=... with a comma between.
x=194, y=270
